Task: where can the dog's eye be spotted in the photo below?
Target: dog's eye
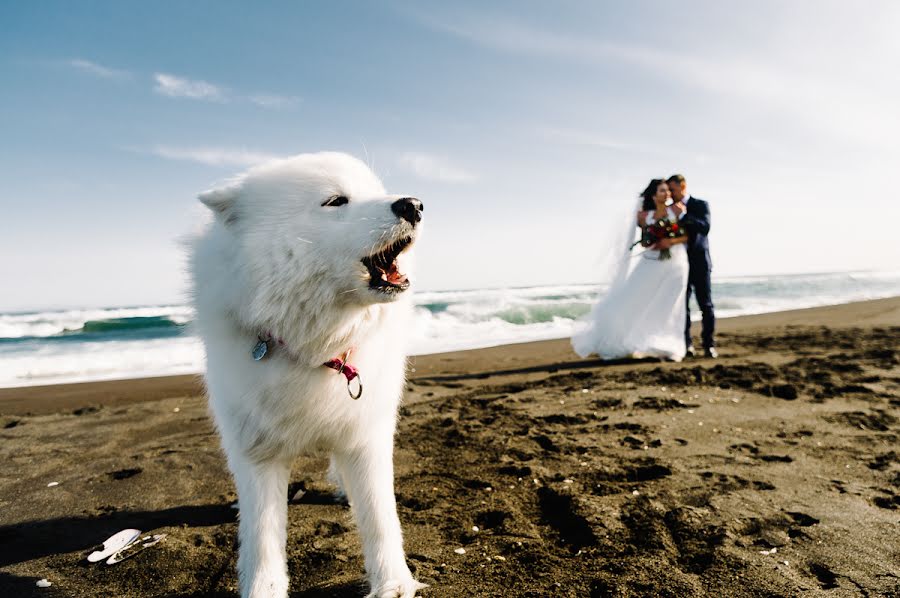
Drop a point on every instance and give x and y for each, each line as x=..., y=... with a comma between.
x=336, y=200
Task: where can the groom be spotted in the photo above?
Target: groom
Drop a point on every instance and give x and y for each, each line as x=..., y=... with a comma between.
x=696, y=221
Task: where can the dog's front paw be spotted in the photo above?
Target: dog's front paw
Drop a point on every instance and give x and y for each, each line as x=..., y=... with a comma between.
x=397, y=588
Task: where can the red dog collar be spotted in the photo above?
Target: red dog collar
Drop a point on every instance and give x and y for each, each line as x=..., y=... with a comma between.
x=340, y=365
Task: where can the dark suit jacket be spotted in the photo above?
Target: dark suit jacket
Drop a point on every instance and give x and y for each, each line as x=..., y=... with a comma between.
x=696, y=221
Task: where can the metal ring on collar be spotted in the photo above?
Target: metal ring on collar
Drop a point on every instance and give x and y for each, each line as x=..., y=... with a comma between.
x=359, y=392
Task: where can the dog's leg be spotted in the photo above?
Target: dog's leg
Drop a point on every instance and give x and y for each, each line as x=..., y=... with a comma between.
x=336, y=478
x=262, y=530
x=368, y=473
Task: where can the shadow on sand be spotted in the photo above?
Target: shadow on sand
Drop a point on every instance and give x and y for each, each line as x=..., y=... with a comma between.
x=30, y=540
x=544, y=368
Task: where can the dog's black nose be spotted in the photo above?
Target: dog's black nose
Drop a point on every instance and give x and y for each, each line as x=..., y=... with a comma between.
x=408, y=208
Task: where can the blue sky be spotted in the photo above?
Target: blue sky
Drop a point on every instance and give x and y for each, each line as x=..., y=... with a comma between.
x=527, y=128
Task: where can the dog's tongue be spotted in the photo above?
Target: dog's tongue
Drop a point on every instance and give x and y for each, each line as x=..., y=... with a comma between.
x=393, y=275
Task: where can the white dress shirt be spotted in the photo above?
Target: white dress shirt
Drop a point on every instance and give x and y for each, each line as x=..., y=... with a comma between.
x=684, y=213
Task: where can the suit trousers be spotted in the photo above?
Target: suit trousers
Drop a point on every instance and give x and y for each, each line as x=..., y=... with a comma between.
x=700, y=280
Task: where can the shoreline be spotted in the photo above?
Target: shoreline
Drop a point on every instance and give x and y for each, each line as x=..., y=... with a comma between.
x=43, y=399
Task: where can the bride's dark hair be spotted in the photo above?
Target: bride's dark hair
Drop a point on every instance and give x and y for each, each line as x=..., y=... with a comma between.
x=649, y=193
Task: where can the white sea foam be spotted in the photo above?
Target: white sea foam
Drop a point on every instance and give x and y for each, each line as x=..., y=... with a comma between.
x=106, y=360
x=53, y=347
x=51, y=323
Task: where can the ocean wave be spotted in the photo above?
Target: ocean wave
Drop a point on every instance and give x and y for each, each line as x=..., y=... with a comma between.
x=127, y=324
x=71, y=322
x=70, y=345
x=35, y=364
x=816, y=278
x=435, y=307
x=537, y=314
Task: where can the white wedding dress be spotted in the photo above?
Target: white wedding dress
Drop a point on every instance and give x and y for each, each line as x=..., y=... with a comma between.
x=643, y=313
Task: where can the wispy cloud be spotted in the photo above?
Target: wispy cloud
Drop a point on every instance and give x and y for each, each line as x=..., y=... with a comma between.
x=97, y=70
x=174, y=86
x=271, y=100
x=520, y=38
x=588, y=138
x=434, y=168
x=214, y=156
x=510, y=36
x=195, y=89
x=817, y=98
x=582, y=137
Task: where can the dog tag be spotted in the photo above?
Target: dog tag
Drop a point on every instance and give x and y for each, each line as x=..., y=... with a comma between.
x=260, y=350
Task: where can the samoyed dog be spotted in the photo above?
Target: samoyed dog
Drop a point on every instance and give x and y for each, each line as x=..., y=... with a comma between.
x=301, y=297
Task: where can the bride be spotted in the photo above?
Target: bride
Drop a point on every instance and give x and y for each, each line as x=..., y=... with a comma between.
x=643, y=313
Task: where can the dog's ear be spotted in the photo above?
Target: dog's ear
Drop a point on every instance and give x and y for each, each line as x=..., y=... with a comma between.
x=222, y=202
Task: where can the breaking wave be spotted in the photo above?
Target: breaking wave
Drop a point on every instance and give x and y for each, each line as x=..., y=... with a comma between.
x=76, y=345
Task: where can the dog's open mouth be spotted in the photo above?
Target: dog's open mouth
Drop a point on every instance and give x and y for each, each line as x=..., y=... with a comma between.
x=384, y=276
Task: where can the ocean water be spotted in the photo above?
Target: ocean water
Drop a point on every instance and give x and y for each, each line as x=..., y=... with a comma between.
x=129, y=342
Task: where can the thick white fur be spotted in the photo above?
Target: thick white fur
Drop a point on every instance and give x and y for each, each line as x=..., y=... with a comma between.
x=275, y=260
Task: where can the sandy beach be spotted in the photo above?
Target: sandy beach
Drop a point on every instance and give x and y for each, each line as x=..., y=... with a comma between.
x=520, y=471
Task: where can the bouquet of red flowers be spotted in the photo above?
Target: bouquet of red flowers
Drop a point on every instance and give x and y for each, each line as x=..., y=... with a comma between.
x=656, y=232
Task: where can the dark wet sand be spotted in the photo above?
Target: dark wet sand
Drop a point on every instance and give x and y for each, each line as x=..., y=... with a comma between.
x=774, y=471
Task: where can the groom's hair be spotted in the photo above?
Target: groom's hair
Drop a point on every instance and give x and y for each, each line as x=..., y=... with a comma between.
x=676, y=178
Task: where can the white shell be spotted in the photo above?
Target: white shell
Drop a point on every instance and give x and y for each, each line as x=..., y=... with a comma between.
x=135, y=547
x=114, y=544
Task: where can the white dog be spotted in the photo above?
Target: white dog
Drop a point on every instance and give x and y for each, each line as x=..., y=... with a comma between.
x=300, y=296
